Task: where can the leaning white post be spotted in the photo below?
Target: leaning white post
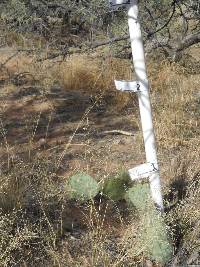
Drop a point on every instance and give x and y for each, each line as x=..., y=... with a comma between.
x=150, y=169
x=144, y=100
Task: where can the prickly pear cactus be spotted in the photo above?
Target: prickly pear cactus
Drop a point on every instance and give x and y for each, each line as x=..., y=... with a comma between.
x=153, y=237
x=139, y=196
x=82, y=187
x=116, y=187
x=156, y=237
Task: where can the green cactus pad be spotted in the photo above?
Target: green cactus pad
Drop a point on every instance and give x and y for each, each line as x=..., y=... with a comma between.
x=153, y=238
x=82, y=187
x=116, y=187
x=139, y=195
x=154, y=235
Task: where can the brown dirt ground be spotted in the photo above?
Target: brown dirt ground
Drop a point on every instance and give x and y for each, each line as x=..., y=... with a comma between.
x=60, y=121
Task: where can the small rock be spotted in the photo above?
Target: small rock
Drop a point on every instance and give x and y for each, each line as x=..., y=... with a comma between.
x=42, y=143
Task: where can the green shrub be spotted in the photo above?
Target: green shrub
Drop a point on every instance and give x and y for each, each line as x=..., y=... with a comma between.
x=116, y=187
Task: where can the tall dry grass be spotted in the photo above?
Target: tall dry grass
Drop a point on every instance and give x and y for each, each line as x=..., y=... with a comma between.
x=175, y=99
x=95, y=76
x=79, y=73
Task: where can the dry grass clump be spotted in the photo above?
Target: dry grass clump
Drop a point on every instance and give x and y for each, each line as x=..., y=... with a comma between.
x=176, y=106
x=183, y=219
x=90, y=74
x=30, y=214
x=84, y=73
x=24, y=241
x=21, y=184
x=78, y=73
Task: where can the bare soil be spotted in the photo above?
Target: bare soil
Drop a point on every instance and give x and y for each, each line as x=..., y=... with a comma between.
x=71, y=122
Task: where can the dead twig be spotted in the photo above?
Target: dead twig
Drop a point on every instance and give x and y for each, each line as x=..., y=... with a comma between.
x=117, y=132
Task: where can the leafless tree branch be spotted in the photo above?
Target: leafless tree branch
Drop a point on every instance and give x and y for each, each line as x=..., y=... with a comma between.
x=186, y=43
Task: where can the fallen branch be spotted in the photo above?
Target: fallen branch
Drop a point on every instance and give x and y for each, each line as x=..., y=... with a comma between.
x=117, y=132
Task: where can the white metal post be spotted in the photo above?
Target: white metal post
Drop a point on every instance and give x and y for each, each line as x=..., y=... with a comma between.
x=144, y=99
x=150, y=169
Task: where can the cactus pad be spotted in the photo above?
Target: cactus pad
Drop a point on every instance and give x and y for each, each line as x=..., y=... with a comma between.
x=153, y=237
x=116, y=187
x=82, y=187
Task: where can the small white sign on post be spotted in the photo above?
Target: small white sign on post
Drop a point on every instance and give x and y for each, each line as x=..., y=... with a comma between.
x=142, y=88
x=143, y=171
x=115, y=4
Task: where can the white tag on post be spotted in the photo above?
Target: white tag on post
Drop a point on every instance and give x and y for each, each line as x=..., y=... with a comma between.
x=115, y=4
x=127, y=86
x=143, y=171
